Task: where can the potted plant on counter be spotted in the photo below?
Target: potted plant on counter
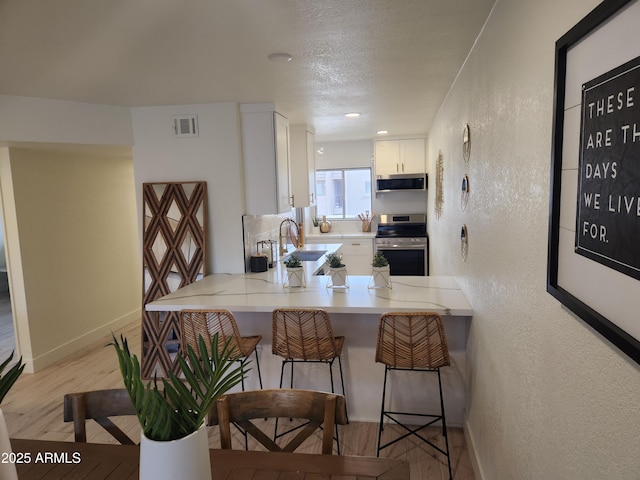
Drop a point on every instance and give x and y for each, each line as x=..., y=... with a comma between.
x=295, y=271
x=337, y=271
x=7, y=469
x=380, y=277
x=174, y=442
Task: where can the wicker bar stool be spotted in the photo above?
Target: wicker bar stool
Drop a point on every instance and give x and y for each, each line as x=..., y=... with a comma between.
x=413, y=341
x=306, y=335
x=207, y=323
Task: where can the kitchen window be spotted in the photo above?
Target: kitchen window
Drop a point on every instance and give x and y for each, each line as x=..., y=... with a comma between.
x=343, y=193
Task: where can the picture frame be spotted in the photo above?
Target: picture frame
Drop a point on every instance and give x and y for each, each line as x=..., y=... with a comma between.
x=604, y=297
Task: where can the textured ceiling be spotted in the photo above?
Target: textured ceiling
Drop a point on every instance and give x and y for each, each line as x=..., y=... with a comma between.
x=392, y=60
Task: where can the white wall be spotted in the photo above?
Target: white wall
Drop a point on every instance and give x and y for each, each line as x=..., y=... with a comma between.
x=72, y=246
x=214, y=156
x=27, y=119
x=96, y=133
x=547, y=397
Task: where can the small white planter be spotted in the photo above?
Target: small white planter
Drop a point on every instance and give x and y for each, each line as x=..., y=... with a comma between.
x=185, y=458
x=338, y=278
x=380, y=277
x=295, y=277
x=8, y=468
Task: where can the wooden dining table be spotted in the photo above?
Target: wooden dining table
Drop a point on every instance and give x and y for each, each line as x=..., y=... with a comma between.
x=49, y=460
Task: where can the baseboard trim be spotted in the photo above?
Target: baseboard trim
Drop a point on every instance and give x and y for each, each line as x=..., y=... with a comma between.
x=473, y=454
x=56, y=354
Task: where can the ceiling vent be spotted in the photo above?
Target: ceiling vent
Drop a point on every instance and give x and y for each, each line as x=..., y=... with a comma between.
x=185, y=126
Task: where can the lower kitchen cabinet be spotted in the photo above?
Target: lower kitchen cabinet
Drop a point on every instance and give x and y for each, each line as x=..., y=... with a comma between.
x=357, y=253
x=357, y=256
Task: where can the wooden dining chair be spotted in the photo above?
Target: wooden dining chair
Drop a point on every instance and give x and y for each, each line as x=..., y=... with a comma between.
x=98, y=405
x=318, y=409
x=206, y=323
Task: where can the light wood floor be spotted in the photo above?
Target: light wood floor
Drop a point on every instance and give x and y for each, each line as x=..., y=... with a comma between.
x=33, y=409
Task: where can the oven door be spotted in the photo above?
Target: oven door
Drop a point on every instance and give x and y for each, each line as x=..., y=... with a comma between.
x=405, y=260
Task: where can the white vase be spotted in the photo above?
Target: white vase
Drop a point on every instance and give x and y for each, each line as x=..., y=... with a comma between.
x=8, y=469
x=381, y=277
x=338, y=277
x=187, y=457
x=295, y=277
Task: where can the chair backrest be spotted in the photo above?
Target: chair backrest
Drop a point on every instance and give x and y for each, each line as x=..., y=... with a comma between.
x=412, y=340
x=207, y=323
x=320, y=409
x=303, y=334
x=98, y=405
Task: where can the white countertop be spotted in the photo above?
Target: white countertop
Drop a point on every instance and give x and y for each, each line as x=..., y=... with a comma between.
x=310, y=267
x=262, y=292
x=332, y=237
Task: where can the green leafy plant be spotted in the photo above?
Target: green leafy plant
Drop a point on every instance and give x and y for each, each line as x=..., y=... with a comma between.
x=293, y=261
x=181, y=406
x=316, y=221
x=8, y=379
x=334, y=260
x=379, y=260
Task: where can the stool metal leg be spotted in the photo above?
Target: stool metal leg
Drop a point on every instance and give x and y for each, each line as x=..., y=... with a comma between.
x=444, y=426
x=258, y=368
x=343, y=390
x=380, y=426
x=414, y=431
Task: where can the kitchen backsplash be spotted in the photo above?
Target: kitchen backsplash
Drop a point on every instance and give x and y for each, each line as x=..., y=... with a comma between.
x=261, y=227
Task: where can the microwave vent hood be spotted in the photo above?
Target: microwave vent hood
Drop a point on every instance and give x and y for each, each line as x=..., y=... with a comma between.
x=391, y=183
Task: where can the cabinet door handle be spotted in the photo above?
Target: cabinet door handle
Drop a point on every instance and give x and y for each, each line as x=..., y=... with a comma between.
x=293, y=203
x=312, y=194
x=397, y=168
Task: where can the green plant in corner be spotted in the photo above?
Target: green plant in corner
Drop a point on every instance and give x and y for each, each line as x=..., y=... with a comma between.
x=181, y=406
x=379, y=260
x=334, y=260
x=293, y=261
x=8, y=379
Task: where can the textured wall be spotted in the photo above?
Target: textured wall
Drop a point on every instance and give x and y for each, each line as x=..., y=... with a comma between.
x=547, y=398
x=73, y=248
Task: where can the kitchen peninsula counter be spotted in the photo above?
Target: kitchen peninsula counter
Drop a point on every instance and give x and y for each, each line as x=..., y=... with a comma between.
x=354, y=313
x=261, y=292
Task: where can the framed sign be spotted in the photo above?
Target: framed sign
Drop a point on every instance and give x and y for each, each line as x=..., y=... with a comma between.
x=594, y=224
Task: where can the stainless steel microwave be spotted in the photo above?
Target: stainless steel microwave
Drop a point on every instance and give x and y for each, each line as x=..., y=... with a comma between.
x=390, y=183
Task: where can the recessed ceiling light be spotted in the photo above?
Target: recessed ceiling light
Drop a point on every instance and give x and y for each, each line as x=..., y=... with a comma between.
x=280, y=57
x=382, y=132
x=352, y=114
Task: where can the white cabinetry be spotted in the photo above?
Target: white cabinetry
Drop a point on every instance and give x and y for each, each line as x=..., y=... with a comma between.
x=400, y=156
x=357, y=255
x=303, y=166
x=357, y=252
x=265, y=150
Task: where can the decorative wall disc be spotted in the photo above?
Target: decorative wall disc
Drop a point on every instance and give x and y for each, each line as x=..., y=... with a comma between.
x=439, y=192
x=464, y=242
x=466, y=143
x=464, y=195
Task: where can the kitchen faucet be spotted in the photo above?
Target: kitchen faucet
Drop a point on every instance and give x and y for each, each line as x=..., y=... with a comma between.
x=283, y=246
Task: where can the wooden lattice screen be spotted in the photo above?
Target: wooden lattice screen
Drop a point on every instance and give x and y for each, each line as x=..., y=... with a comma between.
x=173, y=252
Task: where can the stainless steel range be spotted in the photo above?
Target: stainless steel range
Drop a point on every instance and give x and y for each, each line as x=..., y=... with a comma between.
x=402, y=239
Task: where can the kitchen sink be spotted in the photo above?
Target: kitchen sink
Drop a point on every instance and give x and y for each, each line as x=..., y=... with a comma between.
x=307, y=255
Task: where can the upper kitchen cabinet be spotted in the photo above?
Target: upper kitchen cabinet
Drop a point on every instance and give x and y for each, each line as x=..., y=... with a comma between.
x=303, y=166
x=265, y=150
x=400, y=156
